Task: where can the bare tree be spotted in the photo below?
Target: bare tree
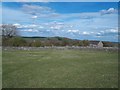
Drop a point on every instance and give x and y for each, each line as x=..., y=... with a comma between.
x=8, y=30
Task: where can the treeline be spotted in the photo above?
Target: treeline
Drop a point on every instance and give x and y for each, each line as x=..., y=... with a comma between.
x=56, y=41
x=50, y=41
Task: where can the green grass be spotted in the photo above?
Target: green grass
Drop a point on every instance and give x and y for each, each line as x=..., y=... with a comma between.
x=0, y=68
x=60, y=69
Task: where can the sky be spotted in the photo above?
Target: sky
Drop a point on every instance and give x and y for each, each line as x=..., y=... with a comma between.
x=60, y=0
x=76, y=20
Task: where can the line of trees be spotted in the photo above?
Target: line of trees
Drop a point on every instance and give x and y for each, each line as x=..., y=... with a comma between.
x=19, y=41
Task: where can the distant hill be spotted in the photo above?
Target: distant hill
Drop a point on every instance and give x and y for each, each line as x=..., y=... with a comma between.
x=46, y=38
x=60, y=38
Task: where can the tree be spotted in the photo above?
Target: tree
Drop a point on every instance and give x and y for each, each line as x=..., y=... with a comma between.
x=85, y=42
x=8, y=30
x=18, y=41
x=65, y=42
x=108, y=44
x=36, y=44
x=81, y=43
x=14, y=41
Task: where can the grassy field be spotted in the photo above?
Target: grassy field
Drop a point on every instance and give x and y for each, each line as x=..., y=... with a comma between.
x=60, y=69
x=0, y=68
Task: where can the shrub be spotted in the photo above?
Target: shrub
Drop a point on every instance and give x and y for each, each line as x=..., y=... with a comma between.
x=36, y=44
x=85, y=43
x=108, y=44
x=14, y=41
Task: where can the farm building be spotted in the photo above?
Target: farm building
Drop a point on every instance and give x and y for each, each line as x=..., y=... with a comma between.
x=96, y=44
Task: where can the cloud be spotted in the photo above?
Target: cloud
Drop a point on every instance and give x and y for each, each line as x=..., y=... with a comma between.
x=34, y=17
x=85, y=33
x=56, y=27
x=35, y=9
x=26, y=26
x=39, y=11
x=16, y=24
x=108, y=32
x=11, y=16
x=30, y=30
x=73, y=16
x=109, y=11
x=73, y=31
x=111, y=30
x=26, y=0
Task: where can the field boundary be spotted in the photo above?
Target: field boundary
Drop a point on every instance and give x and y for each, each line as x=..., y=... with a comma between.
x=63, y=48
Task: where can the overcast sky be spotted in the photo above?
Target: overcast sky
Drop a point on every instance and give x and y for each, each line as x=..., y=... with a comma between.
x=77, y=20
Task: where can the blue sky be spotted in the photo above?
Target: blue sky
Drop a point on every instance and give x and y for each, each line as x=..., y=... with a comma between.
x=60, y=0
x=77, y=20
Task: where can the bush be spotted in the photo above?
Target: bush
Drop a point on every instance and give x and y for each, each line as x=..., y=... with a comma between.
x=14, y=41
x=108, y=44
x=85, y=43
x=36, y=44
x=18, y=41
x=81, y=43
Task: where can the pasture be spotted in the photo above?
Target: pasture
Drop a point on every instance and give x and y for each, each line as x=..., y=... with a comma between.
x=50, y=68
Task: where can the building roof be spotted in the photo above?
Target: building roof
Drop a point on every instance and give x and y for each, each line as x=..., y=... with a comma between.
x=94, y=42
